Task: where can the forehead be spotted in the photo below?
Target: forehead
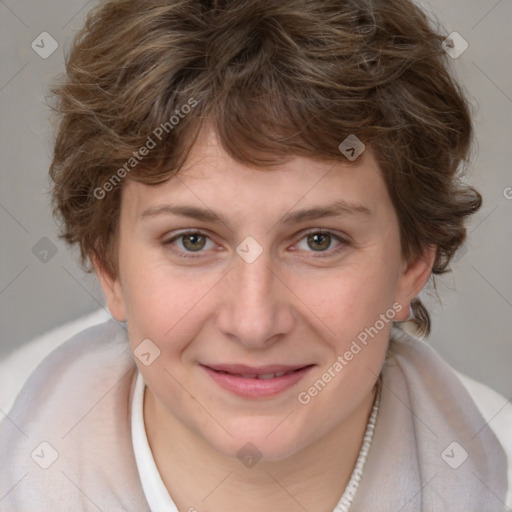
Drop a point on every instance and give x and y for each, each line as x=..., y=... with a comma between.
x=210, y=178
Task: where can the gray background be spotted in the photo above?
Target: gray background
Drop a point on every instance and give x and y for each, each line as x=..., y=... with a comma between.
x=471, y=326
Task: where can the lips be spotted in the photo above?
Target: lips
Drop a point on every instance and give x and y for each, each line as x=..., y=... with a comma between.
x=261, y=382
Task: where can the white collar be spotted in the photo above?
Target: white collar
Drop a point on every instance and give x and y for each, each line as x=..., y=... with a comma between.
x=156, y=493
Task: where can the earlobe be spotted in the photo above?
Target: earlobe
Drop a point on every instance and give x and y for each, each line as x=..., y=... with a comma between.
x=413, y=278
x=112, y=290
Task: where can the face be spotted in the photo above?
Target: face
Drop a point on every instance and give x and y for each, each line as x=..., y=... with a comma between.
x=264, y=287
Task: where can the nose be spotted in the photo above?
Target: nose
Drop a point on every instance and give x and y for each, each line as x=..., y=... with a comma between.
x=256, y=309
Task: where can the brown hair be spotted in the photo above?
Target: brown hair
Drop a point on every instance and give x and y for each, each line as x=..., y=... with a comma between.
x=278, y=79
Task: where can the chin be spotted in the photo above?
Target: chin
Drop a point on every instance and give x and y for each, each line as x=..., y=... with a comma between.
x=257, y=440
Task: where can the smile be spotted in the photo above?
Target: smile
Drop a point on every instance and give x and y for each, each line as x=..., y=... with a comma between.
x=253, y=383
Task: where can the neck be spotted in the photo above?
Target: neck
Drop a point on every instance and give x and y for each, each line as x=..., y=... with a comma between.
x=198, y=477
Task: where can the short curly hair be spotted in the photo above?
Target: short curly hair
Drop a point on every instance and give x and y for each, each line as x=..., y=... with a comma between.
x=278, y=79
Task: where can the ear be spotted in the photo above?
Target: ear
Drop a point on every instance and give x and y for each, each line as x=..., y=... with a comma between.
x=413, y=278
x=112, y=290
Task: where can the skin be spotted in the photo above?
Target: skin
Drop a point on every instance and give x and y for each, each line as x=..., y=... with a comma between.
x=299, y=302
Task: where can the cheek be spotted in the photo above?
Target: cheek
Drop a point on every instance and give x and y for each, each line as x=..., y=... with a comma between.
x=351, y=299
x=160, y=303
x=357, y=313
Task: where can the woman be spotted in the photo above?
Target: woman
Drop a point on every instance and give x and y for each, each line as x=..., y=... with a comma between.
x=263, y=189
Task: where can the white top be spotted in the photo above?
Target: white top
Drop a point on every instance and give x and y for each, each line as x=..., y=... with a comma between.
x=156, y=493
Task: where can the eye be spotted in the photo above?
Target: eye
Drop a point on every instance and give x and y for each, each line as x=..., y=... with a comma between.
x=322, y=240
x=191, y=241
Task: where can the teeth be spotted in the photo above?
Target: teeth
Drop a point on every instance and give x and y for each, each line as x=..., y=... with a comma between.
x=262, y=376
x=265, y=376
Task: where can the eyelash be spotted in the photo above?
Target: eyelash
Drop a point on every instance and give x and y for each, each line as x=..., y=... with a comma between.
x=184, y=254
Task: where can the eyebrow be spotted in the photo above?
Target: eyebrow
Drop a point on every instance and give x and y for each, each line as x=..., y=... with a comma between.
x=338, y=209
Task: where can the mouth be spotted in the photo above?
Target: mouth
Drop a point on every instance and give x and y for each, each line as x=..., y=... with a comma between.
x=261, y=382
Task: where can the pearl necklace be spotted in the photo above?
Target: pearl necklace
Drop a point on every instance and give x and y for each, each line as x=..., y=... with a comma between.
x=350, y=491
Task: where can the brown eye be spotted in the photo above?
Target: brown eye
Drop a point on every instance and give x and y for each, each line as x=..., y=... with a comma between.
x=193, y=241
x=187, y=243
x=320, y=240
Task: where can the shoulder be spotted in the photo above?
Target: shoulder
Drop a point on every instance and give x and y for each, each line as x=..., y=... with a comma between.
x=70, y=422
x=77, y=366
x=435, y=386
x=429, y=374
